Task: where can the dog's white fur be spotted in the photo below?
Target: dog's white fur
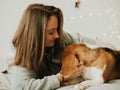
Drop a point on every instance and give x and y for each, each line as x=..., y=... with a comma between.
x=92, y=76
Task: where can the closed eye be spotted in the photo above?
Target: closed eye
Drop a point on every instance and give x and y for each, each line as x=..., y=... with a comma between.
x=76, y=55
x=52, y=31
x=79, y=62
x=78, y=65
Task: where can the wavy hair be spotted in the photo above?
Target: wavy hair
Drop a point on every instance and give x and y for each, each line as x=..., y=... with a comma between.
x=29, y=39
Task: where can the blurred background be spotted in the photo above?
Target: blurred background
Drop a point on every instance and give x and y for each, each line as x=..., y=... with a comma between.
x=98, y=19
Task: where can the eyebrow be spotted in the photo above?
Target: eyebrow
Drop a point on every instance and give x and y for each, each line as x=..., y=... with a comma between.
x=51, y=29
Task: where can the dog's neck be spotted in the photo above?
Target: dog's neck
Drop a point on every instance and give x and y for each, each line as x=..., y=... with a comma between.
x=76, y=80
x=90, y=56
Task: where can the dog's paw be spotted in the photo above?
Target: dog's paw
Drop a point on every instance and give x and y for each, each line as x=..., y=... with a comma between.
x=79, y=87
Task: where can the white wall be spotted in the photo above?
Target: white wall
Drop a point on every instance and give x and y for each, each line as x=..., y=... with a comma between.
x=94, y=18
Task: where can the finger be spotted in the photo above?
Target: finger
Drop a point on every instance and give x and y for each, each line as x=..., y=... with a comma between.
x=67, y=83
x=81, y=67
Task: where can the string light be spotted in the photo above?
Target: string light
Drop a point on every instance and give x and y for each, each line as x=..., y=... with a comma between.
x=99, y=13
x=81, y=16
x=90, y=14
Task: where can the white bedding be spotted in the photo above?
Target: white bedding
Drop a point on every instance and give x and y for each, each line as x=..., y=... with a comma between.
x=5, y=78
x=4, y=82
x=111, y=85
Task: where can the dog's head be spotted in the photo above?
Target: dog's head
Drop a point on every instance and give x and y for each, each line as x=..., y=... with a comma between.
x=72, y=58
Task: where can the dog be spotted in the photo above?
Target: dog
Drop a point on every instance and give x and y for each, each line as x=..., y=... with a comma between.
x=101, y=64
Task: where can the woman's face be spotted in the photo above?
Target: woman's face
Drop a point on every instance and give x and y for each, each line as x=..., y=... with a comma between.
x=51, y=31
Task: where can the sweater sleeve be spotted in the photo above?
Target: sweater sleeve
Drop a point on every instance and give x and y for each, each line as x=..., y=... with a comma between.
x=23, y=79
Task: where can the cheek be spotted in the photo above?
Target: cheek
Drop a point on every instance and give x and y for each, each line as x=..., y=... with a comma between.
x=48, y=38
x=49, y=41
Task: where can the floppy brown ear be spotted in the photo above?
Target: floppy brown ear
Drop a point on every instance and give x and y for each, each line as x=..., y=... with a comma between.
x=69, y=64
x=69, y=61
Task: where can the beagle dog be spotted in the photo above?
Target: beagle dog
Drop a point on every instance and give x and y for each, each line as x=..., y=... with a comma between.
x=101, y=64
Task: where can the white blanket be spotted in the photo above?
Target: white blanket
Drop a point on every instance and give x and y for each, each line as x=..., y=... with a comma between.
x=111, y=85
x=4, y=82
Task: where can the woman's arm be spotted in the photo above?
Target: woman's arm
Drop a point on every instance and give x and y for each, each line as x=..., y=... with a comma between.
x=23, y=79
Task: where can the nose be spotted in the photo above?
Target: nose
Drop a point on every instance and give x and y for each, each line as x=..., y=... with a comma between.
x=56, y=35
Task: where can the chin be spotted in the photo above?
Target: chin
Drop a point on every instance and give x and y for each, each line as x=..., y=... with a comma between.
x=50, y=45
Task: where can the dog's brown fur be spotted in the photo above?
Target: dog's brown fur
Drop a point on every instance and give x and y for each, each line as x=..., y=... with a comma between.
x=77, y=54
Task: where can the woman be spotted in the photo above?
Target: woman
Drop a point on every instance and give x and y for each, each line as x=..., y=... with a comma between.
x=39, y=41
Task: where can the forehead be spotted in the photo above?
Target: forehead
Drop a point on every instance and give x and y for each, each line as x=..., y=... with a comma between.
x=52, y=22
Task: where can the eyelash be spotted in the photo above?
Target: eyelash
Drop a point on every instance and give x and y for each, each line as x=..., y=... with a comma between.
x=51, y=33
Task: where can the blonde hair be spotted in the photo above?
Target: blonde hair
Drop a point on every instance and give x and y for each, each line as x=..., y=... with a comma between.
x=29, y=38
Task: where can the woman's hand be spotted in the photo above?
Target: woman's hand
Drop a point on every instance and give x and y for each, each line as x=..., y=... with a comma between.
x=65, y=80
x=74, y=74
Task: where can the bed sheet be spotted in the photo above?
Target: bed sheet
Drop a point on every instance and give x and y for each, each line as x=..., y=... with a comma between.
x=4, y=82
x=111, y=85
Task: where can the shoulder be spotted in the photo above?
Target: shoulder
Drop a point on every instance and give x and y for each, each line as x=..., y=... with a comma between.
x=68, y=39
x=72, y=38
